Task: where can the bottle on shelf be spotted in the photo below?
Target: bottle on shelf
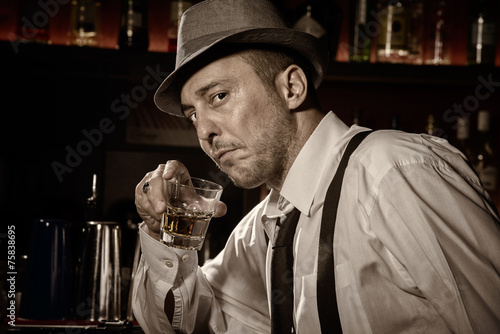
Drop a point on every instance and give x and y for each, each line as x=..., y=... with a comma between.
x=463, y=137
x=485, y=159
x=357, y=116
x=438, y=42
x=134, y=25
x=401, y=31
x=395, y=122
x=176, y=10
x=415, y=32
x=360, y=36
x=392, y=41
x=430, y=128
x=32, y=27
x=309, y=25
x=85, y=23
x=321, y=19
x=482, y=31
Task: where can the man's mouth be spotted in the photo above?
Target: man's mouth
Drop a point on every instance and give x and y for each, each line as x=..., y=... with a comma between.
x=223, y=155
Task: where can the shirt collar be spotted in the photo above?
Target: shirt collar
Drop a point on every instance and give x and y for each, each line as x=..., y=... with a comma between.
x=303, y=178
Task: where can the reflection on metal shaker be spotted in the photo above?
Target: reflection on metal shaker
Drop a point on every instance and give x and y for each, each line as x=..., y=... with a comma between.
x=47, y=288
x=99, y=274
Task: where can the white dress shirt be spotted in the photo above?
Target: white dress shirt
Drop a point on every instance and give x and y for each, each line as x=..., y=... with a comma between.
x=416, y=247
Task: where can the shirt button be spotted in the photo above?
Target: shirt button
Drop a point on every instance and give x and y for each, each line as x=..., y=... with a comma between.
x=169, y=263
x=185, y=257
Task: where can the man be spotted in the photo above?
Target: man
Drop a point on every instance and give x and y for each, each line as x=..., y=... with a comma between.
x=416, y=238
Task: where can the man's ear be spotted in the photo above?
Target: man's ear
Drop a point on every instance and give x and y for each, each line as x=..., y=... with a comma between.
x=292, y=86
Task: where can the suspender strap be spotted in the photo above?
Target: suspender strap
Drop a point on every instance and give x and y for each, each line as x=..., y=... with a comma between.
x=326, y=296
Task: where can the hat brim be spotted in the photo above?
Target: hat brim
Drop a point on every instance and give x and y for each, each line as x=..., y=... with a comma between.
x=167, y=99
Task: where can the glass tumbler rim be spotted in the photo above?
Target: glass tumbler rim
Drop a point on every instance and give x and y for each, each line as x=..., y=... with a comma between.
x=213, y=185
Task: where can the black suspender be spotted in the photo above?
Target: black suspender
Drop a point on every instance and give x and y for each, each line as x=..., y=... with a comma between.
x=326, y=296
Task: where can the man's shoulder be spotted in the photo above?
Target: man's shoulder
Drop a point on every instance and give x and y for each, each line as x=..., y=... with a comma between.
x=391, y=145
x=383, y=150
x=386, y=153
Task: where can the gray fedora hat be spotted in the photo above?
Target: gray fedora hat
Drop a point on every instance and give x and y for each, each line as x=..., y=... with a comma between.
x=212, y=22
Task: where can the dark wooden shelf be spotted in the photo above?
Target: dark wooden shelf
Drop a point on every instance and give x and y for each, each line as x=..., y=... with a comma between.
x=81, y=61
x=405, y=74
x=130, y=65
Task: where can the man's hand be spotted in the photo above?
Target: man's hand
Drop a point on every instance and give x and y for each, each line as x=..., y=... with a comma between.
x=152, y=204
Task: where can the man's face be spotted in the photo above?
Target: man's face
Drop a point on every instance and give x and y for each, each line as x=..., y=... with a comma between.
x=243, y=126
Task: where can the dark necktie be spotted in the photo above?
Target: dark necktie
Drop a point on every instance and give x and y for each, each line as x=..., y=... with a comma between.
x=282, y=275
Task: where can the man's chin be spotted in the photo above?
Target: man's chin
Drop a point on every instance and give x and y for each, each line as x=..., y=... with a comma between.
x=242, y=177
x=245, y=182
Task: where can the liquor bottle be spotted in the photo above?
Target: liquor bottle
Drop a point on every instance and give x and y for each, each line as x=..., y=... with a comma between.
x=134, y=25
x=485, y=160
x=85, y=23
x=321, y=19
x=438, y=41
x=392, y=41
x=176, y=10
x=483, y=26
x=415, y=32
x=401, y=31
x=360, y=36
x=309, y=25
x=357, y=116
x=32, y=27
x=395, y=122
x=430, y=128
x=463, y=137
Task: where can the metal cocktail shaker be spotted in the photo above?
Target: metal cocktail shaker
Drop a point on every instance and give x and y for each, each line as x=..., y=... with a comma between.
x=99, y=296
x=47, y=288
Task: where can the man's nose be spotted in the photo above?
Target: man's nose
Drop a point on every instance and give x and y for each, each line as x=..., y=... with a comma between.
x=206, y=127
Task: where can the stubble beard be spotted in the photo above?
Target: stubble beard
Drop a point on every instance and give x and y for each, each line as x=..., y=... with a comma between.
x=276, y=148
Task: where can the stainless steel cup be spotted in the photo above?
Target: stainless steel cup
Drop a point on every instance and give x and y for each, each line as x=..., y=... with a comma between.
x=99, y=295
x=47, y=286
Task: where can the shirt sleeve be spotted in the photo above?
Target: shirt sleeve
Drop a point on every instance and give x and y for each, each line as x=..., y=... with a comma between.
x=440, y=223
x=155, y=276
x=227, y=295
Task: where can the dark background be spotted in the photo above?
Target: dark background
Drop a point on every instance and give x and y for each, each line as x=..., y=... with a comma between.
x=51, y=94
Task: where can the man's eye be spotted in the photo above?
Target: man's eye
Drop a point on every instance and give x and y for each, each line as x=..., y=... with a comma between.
x=192, y=117
x=219, y=97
